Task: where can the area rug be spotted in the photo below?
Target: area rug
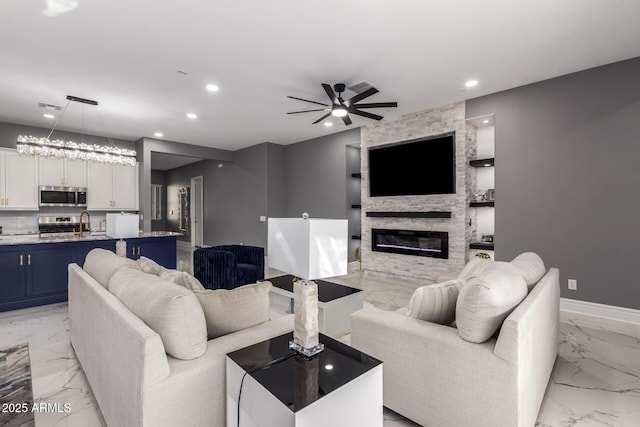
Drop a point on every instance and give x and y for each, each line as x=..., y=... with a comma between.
x=16, y=392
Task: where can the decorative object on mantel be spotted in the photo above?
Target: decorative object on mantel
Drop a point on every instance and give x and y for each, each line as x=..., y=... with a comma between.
x=479, y=196
x=45, y=147
x=308, y=249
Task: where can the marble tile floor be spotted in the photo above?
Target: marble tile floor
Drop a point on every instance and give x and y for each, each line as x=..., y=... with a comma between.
x=595, y=382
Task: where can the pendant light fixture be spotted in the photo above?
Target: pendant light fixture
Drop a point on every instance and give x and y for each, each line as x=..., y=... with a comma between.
x=45, y=147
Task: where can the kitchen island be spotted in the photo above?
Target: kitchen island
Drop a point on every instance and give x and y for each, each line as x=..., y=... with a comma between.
x=33, y=268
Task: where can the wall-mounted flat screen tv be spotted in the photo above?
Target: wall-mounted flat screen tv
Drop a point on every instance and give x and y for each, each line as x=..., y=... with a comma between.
x=417, y=167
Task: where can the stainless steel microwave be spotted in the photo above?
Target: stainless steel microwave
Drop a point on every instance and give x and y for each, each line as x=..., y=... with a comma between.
x=63, y=196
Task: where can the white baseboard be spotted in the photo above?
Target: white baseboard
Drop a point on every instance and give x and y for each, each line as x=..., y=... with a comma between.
x=622, y=314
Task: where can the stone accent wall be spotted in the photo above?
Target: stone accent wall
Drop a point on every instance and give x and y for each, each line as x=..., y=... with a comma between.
x=461, y=226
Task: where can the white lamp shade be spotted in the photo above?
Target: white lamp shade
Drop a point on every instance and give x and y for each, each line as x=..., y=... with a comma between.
x=308, y=248
x=122, y=225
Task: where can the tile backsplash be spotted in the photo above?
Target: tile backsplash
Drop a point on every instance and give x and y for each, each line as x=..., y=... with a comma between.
x=27, y=222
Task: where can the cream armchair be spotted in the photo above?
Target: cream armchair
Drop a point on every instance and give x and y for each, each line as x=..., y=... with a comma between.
x=437, y=379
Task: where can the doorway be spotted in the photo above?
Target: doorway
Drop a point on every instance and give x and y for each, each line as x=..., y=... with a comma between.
x=197, y=212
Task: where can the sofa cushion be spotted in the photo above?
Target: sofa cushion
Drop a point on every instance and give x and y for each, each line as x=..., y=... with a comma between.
x=531, y=267
x=435, y=303
x=230, y=310
x=183, y=279
x=485, y=301
x=172, y=311
x=101, y=264
x=150, y=266
x=474, y=268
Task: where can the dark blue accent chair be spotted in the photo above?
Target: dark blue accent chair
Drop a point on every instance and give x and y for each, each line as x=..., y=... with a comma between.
x=228, y=266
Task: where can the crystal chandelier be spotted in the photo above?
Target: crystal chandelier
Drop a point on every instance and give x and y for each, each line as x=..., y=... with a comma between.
x=45, y=147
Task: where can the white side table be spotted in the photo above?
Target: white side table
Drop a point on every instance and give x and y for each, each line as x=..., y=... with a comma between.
x=340, y=387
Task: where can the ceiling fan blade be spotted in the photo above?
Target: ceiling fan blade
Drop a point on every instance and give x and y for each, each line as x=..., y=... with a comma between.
x=365, y=114
x=306, y=100
x=322, y=118
x=308, y=111
x=330, y=93
x=367, y=93
x=376, y=105
x=347, y=120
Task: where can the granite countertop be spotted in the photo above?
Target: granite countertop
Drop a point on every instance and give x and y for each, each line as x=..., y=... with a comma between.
x=27, y=239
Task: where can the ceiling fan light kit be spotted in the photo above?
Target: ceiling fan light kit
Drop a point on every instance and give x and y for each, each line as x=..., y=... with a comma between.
x=341, y=108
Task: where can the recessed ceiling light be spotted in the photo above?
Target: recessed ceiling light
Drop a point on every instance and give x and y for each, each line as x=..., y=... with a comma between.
x=48, y=116
x=471, y=83
x=158, y=134
x=192, y=116
x=328, y=124
x=212, y=88
x=328, y=367
x=485, y=121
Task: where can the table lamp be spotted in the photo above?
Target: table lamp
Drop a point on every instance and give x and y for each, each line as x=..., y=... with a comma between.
x=308, y=249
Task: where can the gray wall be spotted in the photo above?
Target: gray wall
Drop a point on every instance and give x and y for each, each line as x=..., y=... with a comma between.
x=315, y=175
x=567, y=175
x=234, y=197
x=144, y=147
x=160, y=178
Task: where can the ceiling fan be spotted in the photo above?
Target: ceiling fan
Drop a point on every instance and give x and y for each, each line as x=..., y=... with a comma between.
x=341, y=108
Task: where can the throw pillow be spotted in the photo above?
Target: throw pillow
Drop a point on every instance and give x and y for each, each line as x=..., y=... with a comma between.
x=172, y=311
x=435, y=303
x=474, y=268
x=182, y=278
x=485, y=301
x=150, y=266
x=101, y=264
x=230, y=310
x=531, y=267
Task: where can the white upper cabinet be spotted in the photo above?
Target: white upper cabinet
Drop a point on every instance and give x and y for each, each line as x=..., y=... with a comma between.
x=63, y=172
x=112, y=187
x=18, y=181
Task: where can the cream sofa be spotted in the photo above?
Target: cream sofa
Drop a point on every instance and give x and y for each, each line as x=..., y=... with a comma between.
x=134, y=381
x=437, y=379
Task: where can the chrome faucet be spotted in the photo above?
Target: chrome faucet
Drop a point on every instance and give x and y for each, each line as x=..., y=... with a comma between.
x=79, y=233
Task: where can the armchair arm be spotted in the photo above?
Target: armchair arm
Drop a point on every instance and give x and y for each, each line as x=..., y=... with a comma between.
x=431, y=374
x=215, y=269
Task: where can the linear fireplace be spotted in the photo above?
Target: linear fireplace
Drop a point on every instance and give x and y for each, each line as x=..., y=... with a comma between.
x=433, y=244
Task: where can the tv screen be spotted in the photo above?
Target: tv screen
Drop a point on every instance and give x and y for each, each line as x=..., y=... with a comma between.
x=420, y=167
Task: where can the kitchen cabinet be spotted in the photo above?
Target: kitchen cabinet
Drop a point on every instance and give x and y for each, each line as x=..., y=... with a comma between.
x=112, y=187
x=12, y=273
x=62, y=172
x=36, y=274
x=18, y=181
x=162, y=250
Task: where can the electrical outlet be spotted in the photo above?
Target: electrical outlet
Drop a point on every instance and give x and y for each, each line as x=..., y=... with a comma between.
x=573, y=285
x=263, y=218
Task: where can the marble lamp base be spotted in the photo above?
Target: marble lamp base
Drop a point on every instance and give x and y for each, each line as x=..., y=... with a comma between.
x=305, y=329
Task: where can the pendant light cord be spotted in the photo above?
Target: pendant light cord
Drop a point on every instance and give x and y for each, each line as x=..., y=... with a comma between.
x=58, y=120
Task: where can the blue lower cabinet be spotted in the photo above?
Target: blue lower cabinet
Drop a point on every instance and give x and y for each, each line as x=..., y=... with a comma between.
x=36, y=274
x=11, y=274
x=47, y=267
x=162, y=250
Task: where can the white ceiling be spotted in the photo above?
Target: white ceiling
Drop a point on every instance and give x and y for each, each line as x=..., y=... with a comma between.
x=126, y=55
